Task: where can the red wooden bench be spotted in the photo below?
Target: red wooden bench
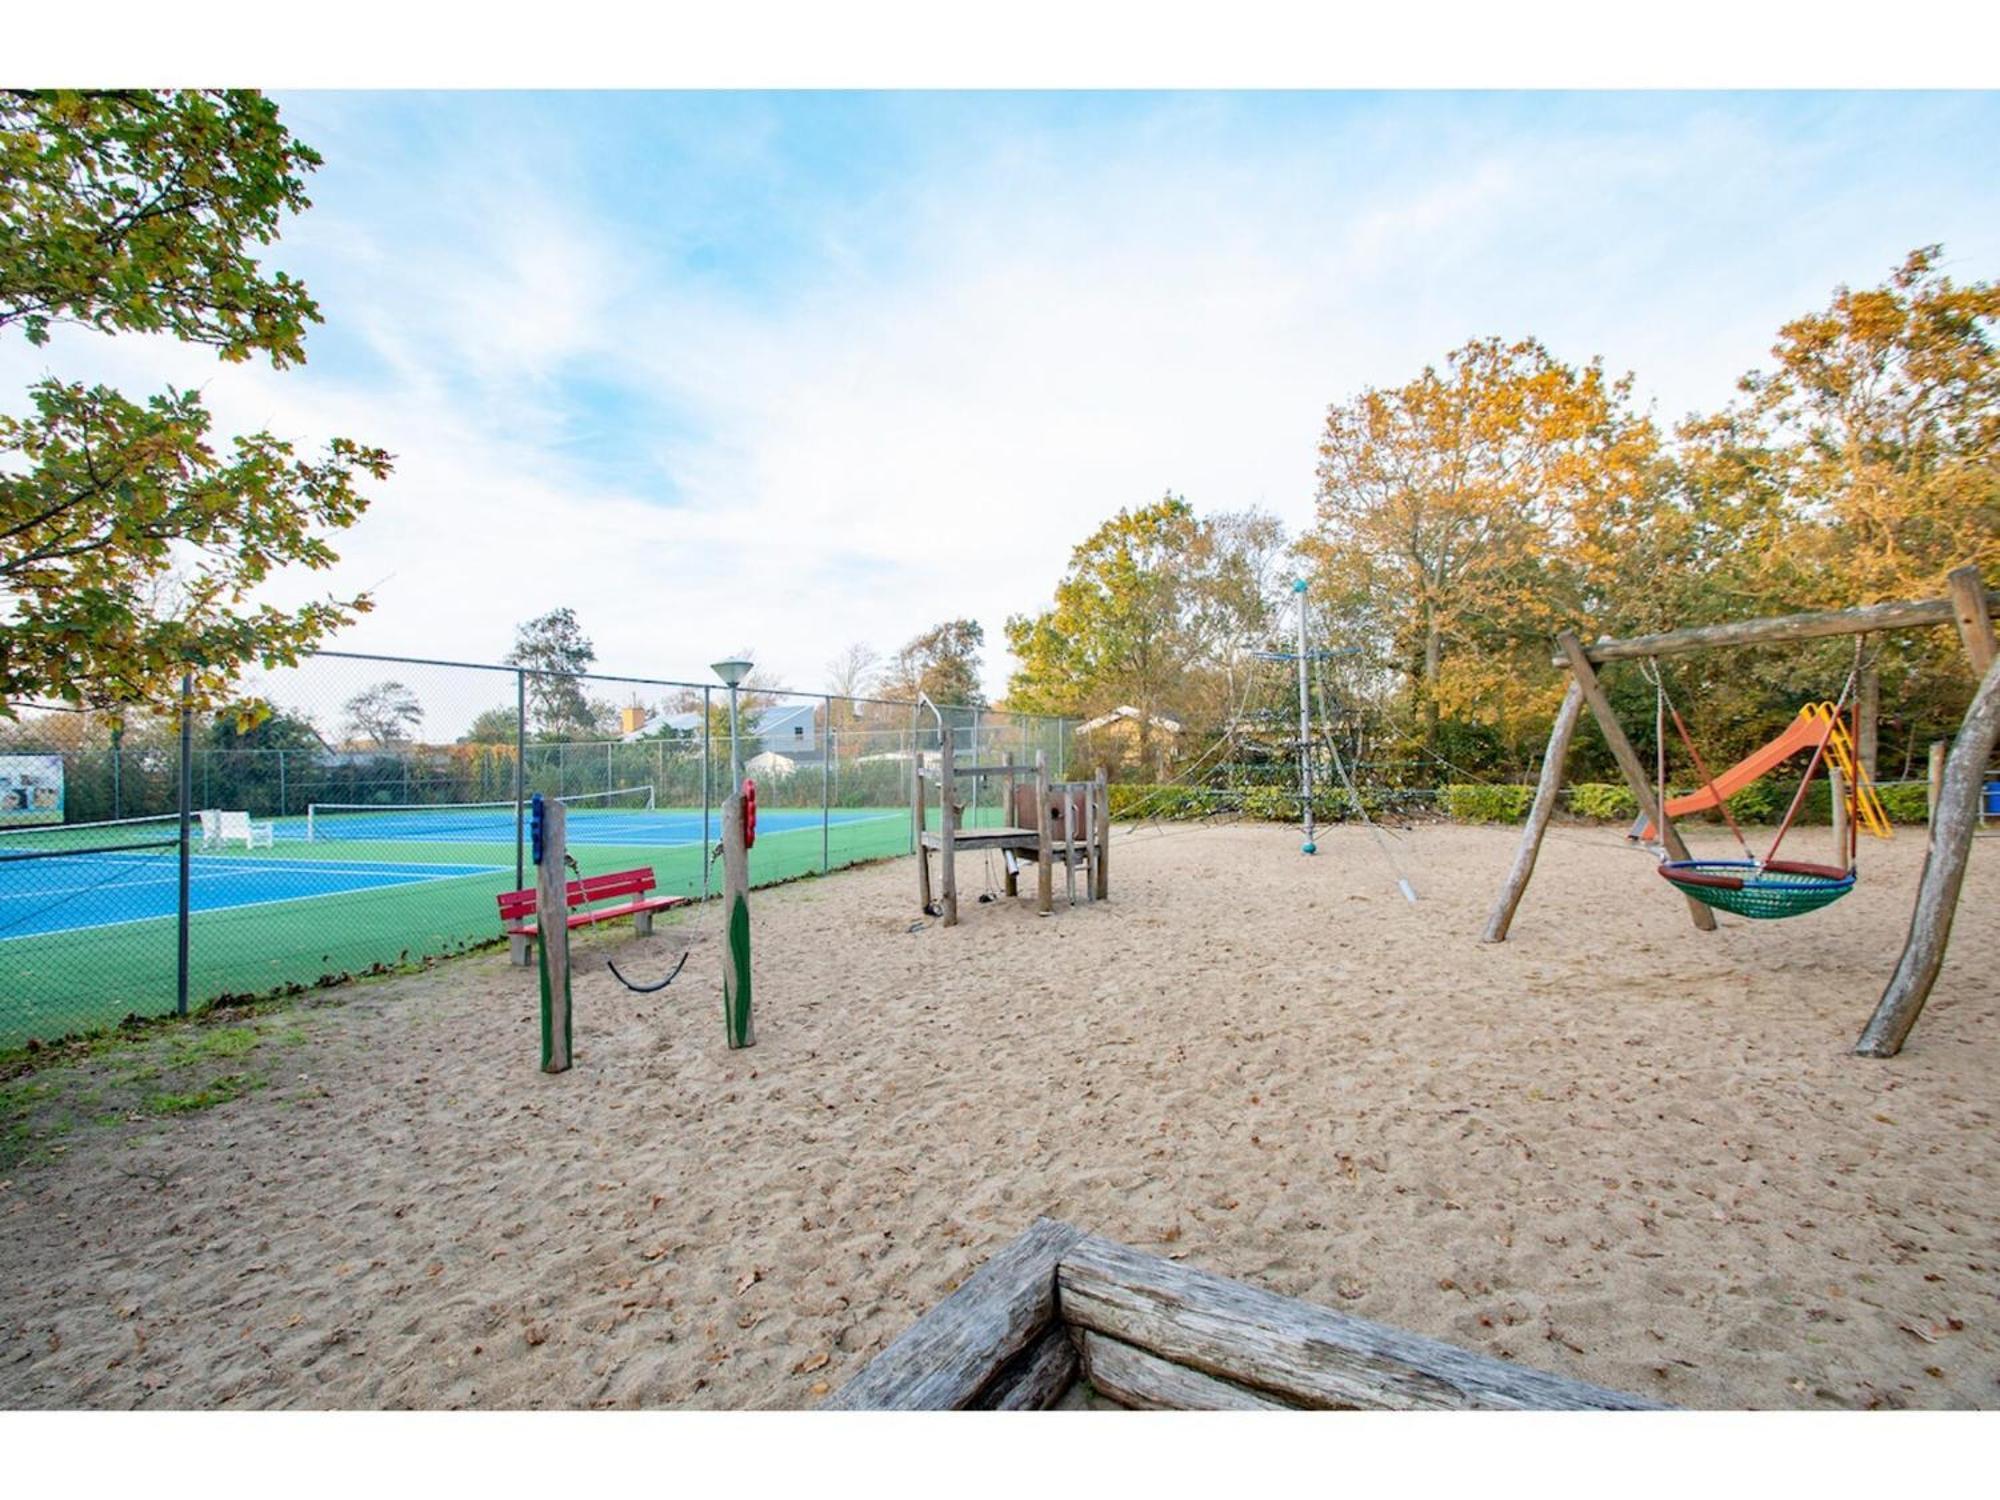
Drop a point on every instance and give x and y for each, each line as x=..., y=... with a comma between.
x=517, y=908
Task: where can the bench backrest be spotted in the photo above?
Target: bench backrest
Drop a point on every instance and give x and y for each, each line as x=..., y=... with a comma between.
x=585, y=892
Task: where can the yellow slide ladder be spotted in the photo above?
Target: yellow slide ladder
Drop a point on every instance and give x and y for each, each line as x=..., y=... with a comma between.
x=1862, y=802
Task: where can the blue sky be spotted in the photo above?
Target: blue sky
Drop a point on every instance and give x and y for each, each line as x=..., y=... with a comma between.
x=791, y=370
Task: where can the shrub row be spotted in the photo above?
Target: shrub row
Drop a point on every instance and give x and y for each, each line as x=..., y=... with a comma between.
x=1762, y=802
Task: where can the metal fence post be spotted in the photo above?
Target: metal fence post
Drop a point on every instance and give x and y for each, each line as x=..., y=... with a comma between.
x=520, y=775
x=826, y=790
x=187, y=849
x=705, y=846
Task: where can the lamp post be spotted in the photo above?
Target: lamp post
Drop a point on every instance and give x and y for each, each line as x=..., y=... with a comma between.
x=732, y=673
x=1310, y=846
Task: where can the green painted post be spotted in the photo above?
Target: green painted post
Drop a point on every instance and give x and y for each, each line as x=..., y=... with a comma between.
x=552, y=940
x=736, y=911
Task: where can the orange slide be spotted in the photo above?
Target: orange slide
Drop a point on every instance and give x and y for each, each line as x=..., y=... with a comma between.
x=1807, y=732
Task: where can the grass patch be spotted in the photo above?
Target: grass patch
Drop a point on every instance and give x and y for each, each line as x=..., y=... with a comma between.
x=219, y=1090
x=187, y=1049
x=109, y=1081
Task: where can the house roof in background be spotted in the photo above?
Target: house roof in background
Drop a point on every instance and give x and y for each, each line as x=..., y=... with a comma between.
x=1126, y=712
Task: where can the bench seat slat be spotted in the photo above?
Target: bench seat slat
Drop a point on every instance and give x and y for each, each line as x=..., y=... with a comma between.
x=607, y=913
x=583, y=892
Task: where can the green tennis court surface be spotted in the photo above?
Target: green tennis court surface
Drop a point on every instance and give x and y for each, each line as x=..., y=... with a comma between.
x=88, y=937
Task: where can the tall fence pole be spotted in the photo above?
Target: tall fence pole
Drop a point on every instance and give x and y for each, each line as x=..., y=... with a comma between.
x=826, y=790
x=520, y=777
x=705, y=844
x=187, y=847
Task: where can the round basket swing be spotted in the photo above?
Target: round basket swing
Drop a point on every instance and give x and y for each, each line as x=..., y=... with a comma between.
x=1769, y=888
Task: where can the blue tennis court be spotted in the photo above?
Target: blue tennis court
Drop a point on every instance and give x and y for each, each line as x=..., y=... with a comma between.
x=662, y=828
x=85, y=890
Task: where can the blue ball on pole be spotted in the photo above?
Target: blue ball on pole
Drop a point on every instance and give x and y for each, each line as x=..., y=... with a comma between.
x=1309, y=847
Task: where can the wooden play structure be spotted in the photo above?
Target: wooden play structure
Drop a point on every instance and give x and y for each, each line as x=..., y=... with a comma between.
x=1050, y=821
x=1056, y=1307
x=1955, y=812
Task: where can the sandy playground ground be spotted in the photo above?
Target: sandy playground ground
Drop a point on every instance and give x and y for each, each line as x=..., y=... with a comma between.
x=1612, y=1148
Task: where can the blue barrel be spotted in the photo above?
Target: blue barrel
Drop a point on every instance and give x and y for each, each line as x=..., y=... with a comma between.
x=1993, y=799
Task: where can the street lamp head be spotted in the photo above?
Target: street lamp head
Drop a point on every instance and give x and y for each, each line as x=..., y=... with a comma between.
x=732, y=672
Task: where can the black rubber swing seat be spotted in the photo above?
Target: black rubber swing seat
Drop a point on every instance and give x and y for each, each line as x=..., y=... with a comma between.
x=1767, y=891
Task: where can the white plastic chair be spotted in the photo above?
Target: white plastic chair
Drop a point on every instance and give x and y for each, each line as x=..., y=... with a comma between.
x=237, y=825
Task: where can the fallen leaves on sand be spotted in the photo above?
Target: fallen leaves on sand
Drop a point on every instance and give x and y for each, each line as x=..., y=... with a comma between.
x=812, y=1362
x=747, y=1280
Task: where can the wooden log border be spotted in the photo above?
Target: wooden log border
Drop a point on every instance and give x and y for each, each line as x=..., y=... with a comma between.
x=1056, y=1303
x=951, y=1356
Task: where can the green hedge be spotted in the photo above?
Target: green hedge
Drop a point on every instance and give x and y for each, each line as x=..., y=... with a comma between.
x=1138, y=800
x=1905, y=802
x=1762, y=802
x=1610, y=800
x=1485, y=804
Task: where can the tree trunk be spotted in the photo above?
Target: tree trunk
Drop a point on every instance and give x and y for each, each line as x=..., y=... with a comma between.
x=1433, y=658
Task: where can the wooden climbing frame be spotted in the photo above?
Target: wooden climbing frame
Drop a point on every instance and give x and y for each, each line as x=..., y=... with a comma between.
x=1071, y=824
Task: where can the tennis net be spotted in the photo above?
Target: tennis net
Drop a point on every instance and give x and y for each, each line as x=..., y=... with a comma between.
x=111, y=836
x=457, y=821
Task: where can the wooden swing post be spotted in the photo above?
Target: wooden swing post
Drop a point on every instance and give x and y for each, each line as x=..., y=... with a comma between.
x=1547, y=790
x=736, y=1020
x=552, y=939
x=1954, y=819
x=1629, y=764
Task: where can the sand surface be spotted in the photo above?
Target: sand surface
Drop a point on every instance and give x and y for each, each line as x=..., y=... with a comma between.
x=1611, y=1148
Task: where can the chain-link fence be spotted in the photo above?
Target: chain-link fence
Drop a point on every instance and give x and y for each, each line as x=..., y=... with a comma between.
x=371, y=818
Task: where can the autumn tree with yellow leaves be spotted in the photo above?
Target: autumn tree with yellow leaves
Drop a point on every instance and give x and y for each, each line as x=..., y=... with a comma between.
x=1157, y=611
x=1464, y=516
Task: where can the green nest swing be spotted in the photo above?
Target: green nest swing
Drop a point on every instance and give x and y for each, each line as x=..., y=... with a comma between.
x=1765, y=890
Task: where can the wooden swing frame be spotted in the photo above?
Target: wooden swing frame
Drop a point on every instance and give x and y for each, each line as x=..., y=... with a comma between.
x=1967, y=604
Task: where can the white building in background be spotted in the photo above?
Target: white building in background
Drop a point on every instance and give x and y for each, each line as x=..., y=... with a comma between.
x=768, y=765
x=789, y=730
